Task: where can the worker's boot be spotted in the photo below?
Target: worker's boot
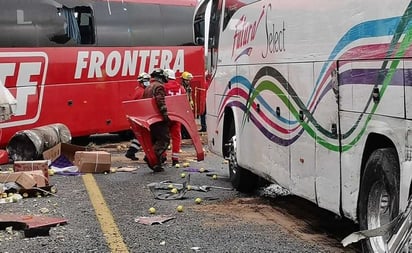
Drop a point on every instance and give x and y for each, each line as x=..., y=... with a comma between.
x=131, y=154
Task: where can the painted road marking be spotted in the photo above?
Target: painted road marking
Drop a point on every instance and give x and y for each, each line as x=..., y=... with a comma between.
x=110, y=230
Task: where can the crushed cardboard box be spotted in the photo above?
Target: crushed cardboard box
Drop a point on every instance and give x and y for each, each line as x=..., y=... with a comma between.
x=27, y=180
x=41, y=165
x=93, y=161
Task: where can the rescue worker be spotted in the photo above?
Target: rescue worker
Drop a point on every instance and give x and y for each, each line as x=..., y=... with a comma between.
x=160, y=130
x=144, y=81
x=186, y=79
x=174, y=88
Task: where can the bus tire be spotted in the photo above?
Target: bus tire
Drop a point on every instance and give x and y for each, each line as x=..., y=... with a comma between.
x=379, y=196
x=241, y=179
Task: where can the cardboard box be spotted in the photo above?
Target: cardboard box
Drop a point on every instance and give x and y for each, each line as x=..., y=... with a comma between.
x=66, y=149
x=42, y=165
x=93, y=161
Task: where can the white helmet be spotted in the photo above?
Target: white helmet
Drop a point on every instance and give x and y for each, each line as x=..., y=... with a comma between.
x=170, y=74
x=144, y=78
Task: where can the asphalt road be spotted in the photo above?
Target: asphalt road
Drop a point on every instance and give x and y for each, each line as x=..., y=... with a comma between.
x=225, y=220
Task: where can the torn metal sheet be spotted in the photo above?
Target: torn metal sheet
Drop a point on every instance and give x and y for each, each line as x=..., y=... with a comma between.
x=167, y=185
x=160, y=193
x=158, y=219
x=380, y=231
x=399, y=230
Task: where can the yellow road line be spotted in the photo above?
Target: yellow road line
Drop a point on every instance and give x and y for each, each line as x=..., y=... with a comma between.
x=110, y=230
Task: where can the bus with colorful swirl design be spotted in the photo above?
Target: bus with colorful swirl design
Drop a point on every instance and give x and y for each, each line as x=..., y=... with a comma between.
x=315, y=96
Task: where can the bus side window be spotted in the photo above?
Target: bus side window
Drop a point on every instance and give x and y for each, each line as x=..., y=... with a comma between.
x=78, y=26
x=86, y=27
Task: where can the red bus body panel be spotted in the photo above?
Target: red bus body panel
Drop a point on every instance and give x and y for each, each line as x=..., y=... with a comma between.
x=84, y=87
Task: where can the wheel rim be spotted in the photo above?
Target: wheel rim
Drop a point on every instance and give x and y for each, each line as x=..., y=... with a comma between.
x=379, y=213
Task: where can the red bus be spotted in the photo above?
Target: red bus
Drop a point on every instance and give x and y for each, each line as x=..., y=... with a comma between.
x=75, y=61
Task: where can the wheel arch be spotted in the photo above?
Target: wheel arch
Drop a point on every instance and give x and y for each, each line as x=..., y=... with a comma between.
x=374, y=142
x=228, y=128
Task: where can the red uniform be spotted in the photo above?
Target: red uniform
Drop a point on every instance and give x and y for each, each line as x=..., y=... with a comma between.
x=174, y=88
x=138, y=92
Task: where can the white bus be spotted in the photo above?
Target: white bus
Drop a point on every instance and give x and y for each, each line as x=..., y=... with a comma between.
x=316, y=96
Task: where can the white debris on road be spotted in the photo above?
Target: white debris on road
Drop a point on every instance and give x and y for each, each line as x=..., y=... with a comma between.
x=273, y=191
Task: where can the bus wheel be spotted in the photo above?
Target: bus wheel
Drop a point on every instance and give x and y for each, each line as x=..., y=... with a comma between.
x=241, y=179
x=379, y=196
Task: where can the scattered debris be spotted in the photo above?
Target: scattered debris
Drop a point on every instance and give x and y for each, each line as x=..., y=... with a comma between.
x=9, y=230
x=35, y=191
x=167, y=185
x=152, y=210
x=32, y=225
x=26, y=179
x=126, y=169
x=44, y=210
x=273, y=191
x=200, y=170
x=198, y=200
x=216, y=176
x=66, y=171
x=158, y=219
x=156, y=189
x=13, y=198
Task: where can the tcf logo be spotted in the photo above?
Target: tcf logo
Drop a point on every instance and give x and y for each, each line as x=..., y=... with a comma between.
x=24, y=74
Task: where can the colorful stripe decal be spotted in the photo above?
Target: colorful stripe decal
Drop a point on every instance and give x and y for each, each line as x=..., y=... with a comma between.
x=274, y=126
